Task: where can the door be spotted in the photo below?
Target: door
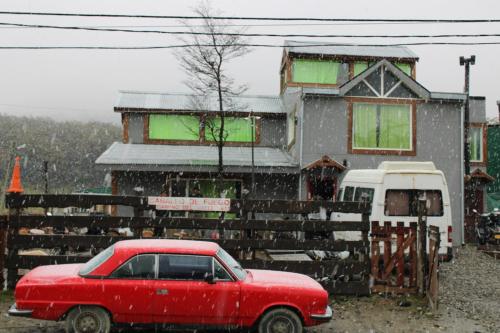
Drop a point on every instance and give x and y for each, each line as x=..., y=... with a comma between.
x=182, y=296
x=129, y=290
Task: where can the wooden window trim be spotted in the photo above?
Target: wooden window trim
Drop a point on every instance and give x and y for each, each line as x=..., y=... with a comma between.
x=351, y=150
x=201, y=139
x=484, y=127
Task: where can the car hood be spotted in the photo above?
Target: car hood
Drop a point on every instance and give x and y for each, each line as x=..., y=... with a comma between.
x=51, y=274
x=279, y=278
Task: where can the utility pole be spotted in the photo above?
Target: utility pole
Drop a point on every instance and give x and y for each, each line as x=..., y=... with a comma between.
x=467, y=62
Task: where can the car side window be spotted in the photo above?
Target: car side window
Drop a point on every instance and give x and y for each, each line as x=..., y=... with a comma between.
x=139, y=267
x=184, y=267
x=220, y=273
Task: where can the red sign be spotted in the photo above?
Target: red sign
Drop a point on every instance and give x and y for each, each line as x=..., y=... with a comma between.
x=190, y=204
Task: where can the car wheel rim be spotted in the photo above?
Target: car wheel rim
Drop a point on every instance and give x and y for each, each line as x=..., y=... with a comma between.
x=87, y=323
x=281, y=325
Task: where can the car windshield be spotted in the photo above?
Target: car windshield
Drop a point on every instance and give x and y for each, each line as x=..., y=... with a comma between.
x=232, y=264
x=96, y=261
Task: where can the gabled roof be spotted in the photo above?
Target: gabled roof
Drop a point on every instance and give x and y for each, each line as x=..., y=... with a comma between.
x=137, y=101
x=325, y=162
x=349, y=50
x=386, y=65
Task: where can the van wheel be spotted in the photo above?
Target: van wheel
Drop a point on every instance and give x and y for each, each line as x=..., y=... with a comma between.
x=88, y=319
x=280, y=321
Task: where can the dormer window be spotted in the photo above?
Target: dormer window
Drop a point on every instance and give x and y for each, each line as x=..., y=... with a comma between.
x=319, y=71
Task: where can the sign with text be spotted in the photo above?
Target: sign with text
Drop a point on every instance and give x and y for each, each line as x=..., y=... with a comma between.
x=197, y=204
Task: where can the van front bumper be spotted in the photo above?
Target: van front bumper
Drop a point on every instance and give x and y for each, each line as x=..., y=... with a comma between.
x=15, y=312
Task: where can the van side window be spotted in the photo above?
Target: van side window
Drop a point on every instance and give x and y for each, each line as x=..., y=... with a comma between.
x=348, y=193
x=405, y=202
x=364, y=194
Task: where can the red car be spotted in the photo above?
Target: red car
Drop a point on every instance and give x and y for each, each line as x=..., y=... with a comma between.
x=170, y=282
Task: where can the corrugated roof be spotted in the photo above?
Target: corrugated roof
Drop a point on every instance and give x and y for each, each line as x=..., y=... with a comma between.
x=327, y=48
x=447, y=96
x=182, y=155
x=185, y=102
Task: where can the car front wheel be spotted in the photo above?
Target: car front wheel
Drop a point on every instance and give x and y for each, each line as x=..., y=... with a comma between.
x=280, y=321
x=88, y=319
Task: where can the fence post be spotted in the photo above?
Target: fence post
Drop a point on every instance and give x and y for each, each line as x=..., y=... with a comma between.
x=3, y=246
x=422, y=245
x=11, y=272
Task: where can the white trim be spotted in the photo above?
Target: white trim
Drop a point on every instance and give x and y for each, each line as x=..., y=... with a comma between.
x=371, y=88
x=393, y=88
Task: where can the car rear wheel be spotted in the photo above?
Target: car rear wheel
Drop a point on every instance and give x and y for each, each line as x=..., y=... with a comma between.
x=280, y=321
x=88, y=319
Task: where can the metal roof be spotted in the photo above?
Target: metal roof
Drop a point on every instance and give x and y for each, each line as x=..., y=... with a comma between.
x=196, y=156
x=186, y=102
x=327, y=48
x=448, y=96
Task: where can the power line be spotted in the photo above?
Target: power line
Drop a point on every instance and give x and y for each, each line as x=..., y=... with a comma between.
x=252, y=18
x=158, y=47
x=40, y=26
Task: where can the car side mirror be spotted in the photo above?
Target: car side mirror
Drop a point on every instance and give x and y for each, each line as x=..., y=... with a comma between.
x=209, y=278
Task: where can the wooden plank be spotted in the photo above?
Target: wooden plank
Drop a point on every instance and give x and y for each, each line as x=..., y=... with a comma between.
x=413, y=255
x=355, y=288
x=400, y=264
x=257, y=206
x=315, y=268
x=31, y=261
x=51, y=241
x=185, y=223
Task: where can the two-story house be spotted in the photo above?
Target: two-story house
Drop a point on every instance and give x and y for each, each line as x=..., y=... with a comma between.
x=340, y=107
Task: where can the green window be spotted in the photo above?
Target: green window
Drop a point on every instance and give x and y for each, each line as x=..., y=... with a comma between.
x=315, y=71
x=381, y=126
x=235, y=129
x=476, y=144
x=174, y=127
x=360, y=67
x=404, y=67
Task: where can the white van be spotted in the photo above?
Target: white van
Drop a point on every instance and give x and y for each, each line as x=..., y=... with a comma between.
x=393, y=190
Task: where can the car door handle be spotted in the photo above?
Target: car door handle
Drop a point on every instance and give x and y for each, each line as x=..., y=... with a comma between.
x=161, y=292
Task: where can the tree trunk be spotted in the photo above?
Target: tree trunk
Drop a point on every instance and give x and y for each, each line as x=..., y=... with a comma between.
x=220, y=143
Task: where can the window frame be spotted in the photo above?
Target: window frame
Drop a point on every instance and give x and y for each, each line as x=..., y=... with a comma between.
x=202, y=141
x=111, y=275
x=181, y=255
x=484, y=144
x=382, y=151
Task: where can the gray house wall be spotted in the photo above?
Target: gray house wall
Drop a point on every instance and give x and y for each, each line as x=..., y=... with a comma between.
x=136, y=128
x=438, y=140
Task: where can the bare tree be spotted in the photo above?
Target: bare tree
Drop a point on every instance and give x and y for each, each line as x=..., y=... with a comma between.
x=204, y=62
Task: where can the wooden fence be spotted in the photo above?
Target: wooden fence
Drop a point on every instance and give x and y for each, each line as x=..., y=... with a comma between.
x=335, y=274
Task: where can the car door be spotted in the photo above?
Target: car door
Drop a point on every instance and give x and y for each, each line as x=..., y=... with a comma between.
x=182, y=296
x=129, y=290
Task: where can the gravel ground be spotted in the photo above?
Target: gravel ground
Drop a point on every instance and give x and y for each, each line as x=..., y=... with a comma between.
x=469, y=303
x=470, y=284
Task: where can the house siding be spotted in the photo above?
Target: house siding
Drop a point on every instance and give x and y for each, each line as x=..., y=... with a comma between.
x=438, y=140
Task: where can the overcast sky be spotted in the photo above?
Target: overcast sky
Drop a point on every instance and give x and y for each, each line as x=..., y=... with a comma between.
x=83, y=84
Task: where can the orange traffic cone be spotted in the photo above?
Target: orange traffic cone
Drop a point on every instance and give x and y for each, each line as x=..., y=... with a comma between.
x=15, y=182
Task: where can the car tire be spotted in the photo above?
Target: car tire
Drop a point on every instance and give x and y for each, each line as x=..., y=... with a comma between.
x=280, y=321
x=88, y=319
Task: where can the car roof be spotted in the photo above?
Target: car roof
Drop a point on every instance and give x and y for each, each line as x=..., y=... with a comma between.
x=177, y=246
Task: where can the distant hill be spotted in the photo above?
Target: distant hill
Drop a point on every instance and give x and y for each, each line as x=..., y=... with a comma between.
x=70, y=148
